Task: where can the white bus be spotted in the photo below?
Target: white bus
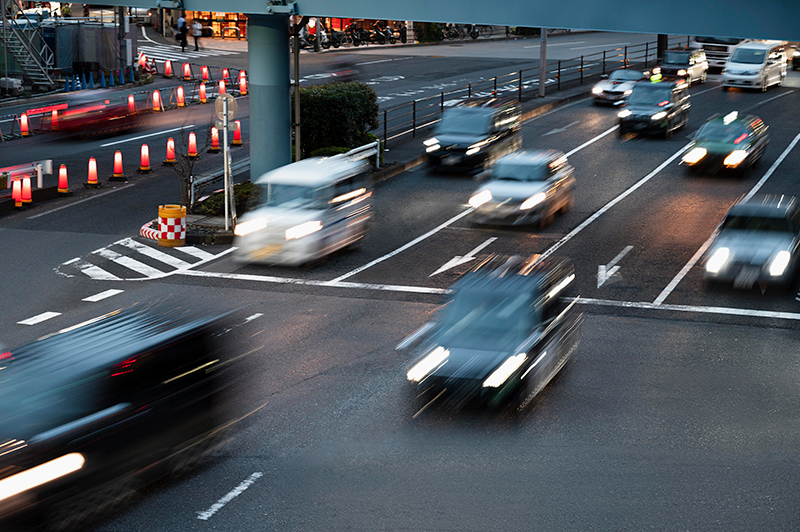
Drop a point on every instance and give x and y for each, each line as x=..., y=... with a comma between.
x=717, y=48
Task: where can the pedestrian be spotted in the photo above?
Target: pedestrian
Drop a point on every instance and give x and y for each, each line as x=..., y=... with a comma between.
x=66, y=11
x=183, y=30
x=85, y=10
x=197, y=32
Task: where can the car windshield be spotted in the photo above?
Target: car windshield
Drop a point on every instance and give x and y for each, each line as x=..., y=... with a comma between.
x=717, y=40
x=676, y=58
x=751, y=56
x=487, y=319
x=720, y=132
x=515, y=171
x=654, y=94
x=758, y=223
x=625, y=75
x=290, y=196
x=464, y=121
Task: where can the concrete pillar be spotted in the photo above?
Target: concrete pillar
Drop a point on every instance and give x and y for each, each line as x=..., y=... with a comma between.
x=661, y=43
x=268, y=73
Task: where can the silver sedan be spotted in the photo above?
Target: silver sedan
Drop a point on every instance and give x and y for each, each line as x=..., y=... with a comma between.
x=614, y=89
x=526, y=188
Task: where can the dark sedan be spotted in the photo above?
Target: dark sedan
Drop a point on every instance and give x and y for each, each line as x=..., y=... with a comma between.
x=729, y=142
x=657, y=107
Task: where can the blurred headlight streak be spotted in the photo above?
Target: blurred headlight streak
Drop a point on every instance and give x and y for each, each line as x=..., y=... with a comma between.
x=694, y=155
x=425, y=366
x=250, y=226
x=432, y=148
x=597, y=90
x=628, y=92
x=717, y=260
x=779, y=263
x=624, y=113
x=473, y=150
x=533, y=201
x=431, y=141
x=559, y=287
x=304, y=229
x=735, y=158
x=659, y=115
x=501, y=374
x=41, y=474
x=480, y=198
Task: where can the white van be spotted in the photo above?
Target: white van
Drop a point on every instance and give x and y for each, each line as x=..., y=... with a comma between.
x=755, y=65
x=306, y=210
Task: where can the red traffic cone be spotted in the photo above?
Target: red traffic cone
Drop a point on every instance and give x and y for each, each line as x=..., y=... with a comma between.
x=187, y=72
x=203, y=98
x=144, y=165
x=117, y=175
x=91, y=181
x=237, y=134
x=214, y=141
x=170, y=153
x=23, y=125
x=181, y=98
x=168, y=69
x=158, y=106
x=26, y=190
x=63, y=187
x=192, y=152
x=16, y=192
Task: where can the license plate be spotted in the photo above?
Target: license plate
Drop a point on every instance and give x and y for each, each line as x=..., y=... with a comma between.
x=451, y=160
x=265, y=251
x=746, y=278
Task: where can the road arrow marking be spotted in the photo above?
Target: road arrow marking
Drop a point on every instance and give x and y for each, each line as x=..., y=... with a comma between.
x=458, y=260
x=606, y=271
x=561, y=129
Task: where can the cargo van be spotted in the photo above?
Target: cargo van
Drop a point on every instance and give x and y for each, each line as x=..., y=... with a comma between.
x=755, y=65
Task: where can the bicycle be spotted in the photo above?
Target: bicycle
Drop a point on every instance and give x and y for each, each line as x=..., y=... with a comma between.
x=485, y=31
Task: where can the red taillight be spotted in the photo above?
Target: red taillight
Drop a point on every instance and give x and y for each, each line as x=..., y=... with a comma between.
x=662, y=104
x=740, y=138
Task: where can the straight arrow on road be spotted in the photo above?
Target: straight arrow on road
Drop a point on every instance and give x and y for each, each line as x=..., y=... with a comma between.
x=561, y=129
x=606, y=271
x=458, y=260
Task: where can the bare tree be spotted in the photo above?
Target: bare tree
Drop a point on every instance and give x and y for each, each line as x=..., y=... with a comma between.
x=184, y=164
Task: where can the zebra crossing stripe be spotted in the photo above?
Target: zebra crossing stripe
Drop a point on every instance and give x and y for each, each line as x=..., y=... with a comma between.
x=130, y=263
x=160, y=256
x=195, y=252
x=92, y=271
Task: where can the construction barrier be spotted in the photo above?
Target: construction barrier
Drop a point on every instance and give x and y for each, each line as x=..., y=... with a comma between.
x=171, y=225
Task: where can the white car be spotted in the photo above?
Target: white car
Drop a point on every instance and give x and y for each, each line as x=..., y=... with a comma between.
x=755, y=65
x=615, y=88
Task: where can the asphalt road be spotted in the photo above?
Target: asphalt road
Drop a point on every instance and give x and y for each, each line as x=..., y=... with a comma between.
x=679, y=410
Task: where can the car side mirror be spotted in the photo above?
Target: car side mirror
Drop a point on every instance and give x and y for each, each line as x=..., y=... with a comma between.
x=604, y=76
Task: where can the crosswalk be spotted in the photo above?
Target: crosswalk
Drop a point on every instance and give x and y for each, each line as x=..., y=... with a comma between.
x=164, y=52
x=131, y=260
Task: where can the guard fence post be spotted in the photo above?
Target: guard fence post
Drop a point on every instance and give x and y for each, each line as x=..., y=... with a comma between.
x=385, y=137
x=581, y=70
x=495, y=86
x=626, y=57
x=469, y=90
x=559, y=75
x=441, y=104
x=646, y=52
x=520, y=85
x=604, y=62
x=414, y=119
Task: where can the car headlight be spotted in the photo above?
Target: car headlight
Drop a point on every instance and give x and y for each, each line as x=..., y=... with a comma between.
x=779, y=263
x=501, y=374
x=682, y=72
x=431, y=141
x=718, y=260
x=250, y=226
x=424, y=367
x=533, y=201
x=735, y=158
x=627, y=92
x=624, y=113
x=597, y=90
x=432, y=148
x=659, y=115
x=480, y=198
x=472, y=150
x=694, y=155
x=41, y=474
x=304, y=229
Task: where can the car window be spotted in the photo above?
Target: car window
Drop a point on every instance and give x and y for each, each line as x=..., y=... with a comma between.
x=290, y=196
x=651, y=94
x=465, y=121
x=720, y=132
x=625, y=75
x=517, y=171
x=676, y=58
x=759, y=223
x=753, y=56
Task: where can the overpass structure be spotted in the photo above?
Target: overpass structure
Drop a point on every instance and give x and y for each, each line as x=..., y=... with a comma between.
x=268, y=36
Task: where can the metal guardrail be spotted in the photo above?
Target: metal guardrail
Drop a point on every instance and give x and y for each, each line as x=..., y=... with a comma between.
x=409, y=118
x=362, y=152
x=39, y=167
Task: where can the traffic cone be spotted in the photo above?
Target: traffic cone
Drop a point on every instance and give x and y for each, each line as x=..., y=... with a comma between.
x=83, y=81
x=214, y=141
x=102, y=79
x=157, y=104
x=91, y=81
x=131, y=78
x=26, y=197
x=181, y=98
x=170, y=153
x=225, y=76
x=203, y=98
x=237, y=134
x=204, y=73
x=192, y=152
x=23, y=125
x=187, y=72
x=117, y=175
x=111, y=78
x=242, y=86
x=16, y=192
x=242, y=74
x=63, y=187
x=91, y=181
x=75, y=81
x=66, y=85
x=54, y=120
x=144, y=166
x=131, y=104
x=221, y=87
x=121, y=76
x=168, y=69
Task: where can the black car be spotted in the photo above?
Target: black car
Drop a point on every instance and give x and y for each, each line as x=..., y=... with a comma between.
x=730, y=142
x=505, y=334
x=90, y=413
x=687, y=63
x=657, y=107
x=474, y=134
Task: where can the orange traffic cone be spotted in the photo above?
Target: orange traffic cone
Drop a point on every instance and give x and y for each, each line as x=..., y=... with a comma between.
x=170, y=153
x=242, y=86
x=225, y=76
x=237, y=134
x=204, y=73
x=214, y=141
x=221, y=87
x=181, y=98
x=26, y=190
x=91, y=181
x=117, y=175
x=144, y=165
x=187, y=72
x=63, y=187
x=203, y=98
x=16, y=192
x=168, y=69
x=192, y=152
x=158, y=106
x=23, y=125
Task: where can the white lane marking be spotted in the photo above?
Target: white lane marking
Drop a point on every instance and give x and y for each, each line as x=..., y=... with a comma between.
x=153, y=253
x=555, y=44
x=458, y=259
x=81, y=201
x=247, y=320
x=235, y=492
x=145, y=136
x=599, y=45
x=759, y=104
x=255, y=316
x=195, y=252
x=184, y=271
x=128, y=262
x=95, y=272
x=699, y=253
x=611, y=203
x=561, y=129
x=39, y=318
x=146, y=37
x=404, y=247
x=591, y=141
x=607, y=271
x=102, y=295
x=726, y=311
x=383, y=61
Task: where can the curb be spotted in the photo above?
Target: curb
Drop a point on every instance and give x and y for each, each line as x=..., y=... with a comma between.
x=217, y=239
x=147, y=232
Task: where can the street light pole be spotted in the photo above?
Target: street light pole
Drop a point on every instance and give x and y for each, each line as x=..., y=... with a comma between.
x=542, y=62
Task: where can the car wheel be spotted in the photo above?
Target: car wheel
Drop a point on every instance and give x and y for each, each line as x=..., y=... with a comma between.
x=668, y=132
x=764, y=84
x=780, y=80
x=704, y=76
x=569, y=203
x=724, y=88
x=689, y=171
x=621, y=132
x=547, y=219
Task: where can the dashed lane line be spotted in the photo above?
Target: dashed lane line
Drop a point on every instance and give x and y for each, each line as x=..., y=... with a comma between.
x=235, y=492
x=80, y=201
x=39, y=318
x=102, y=295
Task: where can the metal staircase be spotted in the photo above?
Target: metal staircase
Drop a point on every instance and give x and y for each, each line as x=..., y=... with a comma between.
x=21, y=39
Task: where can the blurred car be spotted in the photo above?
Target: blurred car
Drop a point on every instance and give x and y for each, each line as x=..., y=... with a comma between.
x=142, y=15
x=474, y=134
x=97, y=113
x=755, y=65
x=614, y=88
x=525, y=188
x=306, y=210
x=505, y=334
x=757, y=242
x=656, y=107
x=795, y=59
x=727, y=142
x=343, y=69
x=103, y=407
x=687, y=63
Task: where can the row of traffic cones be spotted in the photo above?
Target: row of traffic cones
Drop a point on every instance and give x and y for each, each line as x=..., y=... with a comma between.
x=205, y=73
x=80, y=83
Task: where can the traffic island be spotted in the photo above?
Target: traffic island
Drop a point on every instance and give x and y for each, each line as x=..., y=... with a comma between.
x=200, y=229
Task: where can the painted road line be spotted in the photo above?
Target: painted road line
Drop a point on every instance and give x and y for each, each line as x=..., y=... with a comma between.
x=95, y=272
x=80, y=201
x=235, y=492
x=383, y=61
x=586, y=223
x=591, y=141
x=404, y=247
x=699, y=253
x=195, y=252
x=39, y=318
x=128, y=262
x=102, y=295
x=725, y=311
x=555, y=44
x=759, y=104
x=153, y=253
x=145, y=136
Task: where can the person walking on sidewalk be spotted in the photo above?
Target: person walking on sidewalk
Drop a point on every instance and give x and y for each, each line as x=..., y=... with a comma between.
x=197, y=32
x=183, y=30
